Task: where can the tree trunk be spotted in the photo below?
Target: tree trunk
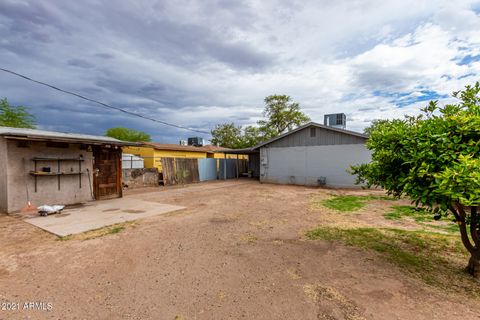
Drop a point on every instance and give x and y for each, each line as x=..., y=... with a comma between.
x=474, y=265
x=472, y=243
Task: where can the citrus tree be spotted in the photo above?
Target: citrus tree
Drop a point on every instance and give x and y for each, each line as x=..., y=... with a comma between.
x=434, y=159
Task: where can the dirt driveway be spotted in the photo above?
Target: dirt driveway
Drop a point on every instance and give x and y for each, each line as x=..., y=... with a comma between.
x=237, y=251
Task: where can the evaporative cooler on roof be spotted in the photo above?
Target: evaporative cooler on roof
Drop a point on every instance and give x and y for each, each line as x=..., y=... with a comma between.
x=196, y=141
x=336, y=120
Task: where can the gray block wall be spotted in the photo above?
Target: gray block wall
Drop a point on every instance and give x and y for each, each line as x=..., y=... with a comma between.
x=305, y=165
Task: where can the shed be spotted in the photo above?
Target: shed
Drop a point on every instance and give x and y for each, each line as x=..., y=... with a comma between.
x=47, y=167
x=311, y=155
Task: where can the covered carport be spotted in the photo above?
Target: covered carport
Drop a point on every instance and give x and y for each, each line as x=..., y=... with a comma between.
x=252, y=169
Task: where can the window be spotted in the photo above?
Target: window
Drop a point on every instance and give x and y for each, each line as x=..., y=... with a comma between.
x=313, y=132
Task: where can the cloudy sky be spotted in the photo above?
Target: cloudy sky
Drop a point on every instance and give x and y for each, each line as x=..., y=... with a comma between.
x=199, y=63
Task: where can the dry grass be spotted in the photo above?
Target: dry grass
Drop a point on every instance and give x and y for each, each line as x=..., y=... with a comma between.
x=248, y=238
x=97, y=233
x=438, y=259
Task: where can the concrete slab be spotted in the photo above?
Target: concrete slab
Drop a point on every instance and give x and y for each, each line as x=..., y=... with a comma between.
x=99, y=214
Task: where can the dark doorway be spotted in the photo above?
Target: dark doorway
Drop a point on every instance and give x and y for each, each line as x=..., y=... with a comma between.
x=107, y=175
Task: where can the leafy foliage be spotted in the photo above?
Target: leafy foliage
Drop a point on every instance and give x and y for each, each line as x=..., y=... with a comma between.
x=16, y=117
x=281, y=115
x=126, y=134
x=227, y=135
x=433, y=158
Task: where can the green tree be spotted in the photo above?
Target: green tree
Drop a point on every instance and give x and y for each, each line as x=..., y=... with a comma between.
x=227, y=135
x=375, y=123
x=281, y=115
x=17, y=117
x=126, y=134
x=434, y=159
x=252, y=136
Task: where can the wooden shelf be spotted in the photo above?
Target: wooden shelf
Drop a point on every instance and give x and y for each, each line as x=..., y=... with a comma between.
x=56, y=159
x=40, y=173
x=35, y=173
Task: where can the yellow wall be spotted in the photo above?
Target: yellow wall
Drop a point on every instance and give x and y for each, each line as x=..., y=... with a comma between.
x=152, y=157
x=145, y=153
x=229, y=156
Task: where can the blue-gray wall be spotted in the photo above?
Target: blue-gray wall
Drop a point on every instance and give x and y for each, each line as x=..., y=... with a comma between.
x=306, y=165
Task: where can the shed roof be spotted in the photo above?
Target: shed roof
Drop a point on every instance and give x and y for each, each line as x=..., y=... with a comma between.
x=178, y=147
x=34, y=134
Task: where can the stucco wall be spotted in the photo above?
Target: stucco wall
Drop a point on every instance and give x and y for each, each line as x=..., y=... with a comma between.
x=47, y=186
x=305, y=165
x=3, y=175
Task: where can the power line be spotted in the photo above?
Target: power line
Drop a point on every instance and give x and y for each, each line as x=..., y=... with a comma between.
x=101, y=103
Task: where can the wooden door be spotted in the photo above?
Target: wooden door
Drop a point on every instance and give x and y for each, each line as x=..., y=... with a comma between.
x=107, y=173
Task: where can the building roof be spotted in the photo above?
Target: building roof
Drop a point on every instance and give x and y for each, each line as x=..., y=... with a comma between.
x=178, y=147
x=34, y=134
x=310, y=124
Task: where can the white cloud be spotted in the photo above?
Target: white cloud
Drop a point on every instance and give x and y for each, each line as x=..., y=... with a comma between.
x=201, y=63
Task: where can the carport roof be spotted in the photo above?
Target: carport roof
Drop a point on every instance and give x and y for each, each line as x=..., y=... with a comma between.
x=42, y=135
x=238, y=151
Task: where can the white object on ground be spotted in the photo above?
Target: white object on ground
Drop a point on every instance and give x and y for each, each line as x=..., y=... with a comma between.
x=45, y=210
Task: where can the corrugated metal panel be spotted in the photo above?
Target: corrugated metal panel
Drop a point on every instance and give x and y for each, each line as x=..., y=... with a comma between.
x=130, y=161
x=322, y=137
x=231, y=169
x=207, y=169
x=7, y=131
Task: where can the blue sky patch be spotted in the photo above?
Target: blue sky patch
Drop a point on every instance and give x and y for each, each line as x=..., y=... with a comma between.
x=468, y=60
x=402, y=99
x=427, y=95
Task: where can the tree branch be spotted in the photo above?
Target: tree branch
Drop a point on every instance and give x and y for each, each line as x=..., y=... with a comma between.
x=473, y=226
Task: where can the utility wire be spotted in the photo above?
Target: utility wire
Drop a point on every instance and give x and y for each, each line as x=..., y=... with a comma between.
x=101, y=103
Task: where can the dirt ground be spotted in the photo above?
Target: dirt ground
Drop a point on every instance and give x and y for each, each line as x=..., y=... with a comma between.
x=237, y=251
